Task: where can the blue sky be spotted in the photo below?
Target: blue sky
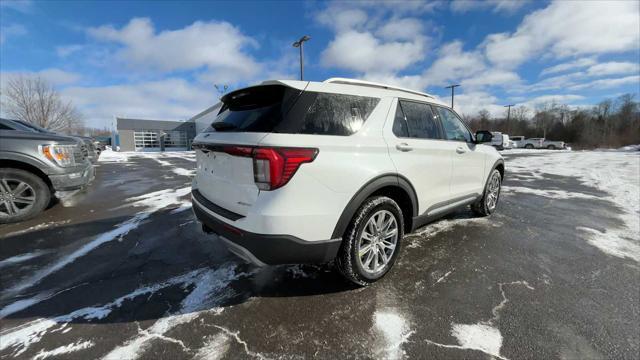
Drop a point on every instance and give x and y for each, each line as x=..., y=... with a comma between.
x=161, y=59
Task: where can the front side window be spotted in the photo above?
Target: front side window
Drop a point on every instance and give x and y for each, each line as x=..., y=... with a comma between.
x=453, y=127
x=415, y=120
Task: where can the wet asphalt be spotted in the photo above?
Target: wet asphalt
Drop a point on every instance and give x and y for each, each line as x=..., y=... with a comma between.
x=166, y=290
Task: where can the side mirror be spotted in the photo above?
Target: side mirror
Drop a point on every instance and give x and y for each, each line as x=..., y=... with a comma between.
x=483, y=136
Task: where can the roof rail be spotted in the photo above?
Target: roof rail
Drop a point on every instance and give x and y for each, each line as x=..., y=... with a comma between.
x=374, y=84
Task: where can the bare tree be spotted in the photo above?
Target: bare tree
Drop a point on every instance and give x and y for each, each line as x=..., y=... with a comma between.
x=34, y=100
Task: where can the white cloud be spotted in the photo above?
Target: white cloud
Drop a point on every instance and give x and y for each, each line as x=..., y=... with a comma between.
x=613, y=68
x=11, y=31
x=23, y=6
x=568, y=28
x=363, y=52
x=54, y=76
x=453, y=64
x=169, y=99
x=507, y=6
x=492, y=77
x=216, y=47
x=401, y=29
x=470, y=103
x=571, y=65
x=66, y=50
x=559, y=99
x=608, y=83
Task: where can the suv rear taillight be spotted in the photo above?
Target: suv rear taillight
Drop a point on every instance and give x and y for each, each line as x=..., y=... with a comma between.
x=273, y=167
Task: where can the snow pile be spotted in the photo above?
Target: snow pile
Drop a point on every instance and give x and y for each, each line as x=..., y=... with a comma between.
x=614, y=172
x=553, y=194
x=109, y=155
x=395, y=331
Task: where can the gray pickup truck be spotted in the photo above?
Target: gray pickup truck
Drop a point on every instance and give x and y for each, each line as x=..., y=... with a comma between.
x=33, y=166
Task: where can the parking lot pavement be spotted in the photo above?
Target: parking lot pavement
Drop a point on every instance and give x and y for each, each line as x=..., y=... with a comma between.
x=122, y=270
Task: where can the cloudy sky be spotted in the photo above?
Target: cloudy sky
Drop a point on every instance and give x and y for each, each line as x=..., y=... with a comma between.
x=161, y=59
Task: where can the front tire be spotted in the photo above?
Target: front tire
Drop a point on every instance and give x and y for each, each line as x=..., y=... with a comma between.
x=371, y=243
x=489, y=201
x=23, y=195
x=528, y=146
x=551, y=147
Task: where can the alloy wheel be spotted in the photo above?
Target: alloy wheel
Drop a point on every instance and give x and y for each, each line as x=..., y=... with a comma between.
x=378, y=241
x=493, y=192
x=16, y=197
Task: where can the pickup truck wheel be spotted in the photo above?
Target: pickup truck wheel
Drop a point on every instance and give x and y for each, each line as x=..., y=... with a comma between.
x=551, y=147
x=528, y=146
x=23, y=195
x=487, y=204
x=372, y=241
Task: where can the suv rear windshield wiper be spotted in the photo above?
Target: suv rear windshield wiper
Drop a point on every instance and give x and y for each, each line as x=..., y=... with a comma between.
x=222, y=126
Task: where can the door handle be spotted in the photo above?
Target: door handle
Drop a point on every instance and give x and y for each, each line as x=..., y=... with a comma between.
x=404, y=147
x=460, y=150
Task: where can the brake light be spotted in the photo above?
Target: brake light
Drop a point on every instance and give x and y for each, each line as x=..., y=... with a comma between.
x=273, y=167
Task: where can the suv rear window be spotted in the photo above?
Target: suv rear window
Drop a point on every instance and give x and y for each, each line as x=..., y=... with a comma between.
x=280, y=109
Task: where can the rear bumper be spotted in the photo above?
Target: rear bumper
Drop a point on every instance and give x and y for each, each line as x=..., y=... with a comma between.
x=262, y=249
x=74, y=179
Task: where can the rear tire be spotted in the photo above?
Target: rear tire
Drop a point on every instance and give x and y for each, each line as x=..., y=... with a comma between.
x=551, y=147
x=489, y=201
x=23, y=195
x=372, y=241
x=528, y=146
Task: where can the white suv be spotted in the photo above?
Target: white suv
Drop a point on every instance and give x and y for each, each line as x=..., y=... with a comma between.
x=311, y=172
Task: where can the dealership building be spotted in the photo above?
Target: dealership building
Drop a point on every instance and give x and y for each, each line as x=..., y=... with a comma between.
x=160, y=135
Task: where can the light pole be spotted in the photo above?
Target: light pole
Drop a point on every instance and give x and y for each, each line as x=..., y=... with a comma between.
x=299, y=44
x=508, y=115
x=452, y=87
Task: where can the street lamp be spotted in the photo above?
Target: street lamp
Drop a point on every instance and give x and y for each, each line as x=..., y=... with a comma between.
x=508, y=115
x=299, y=44
x=452, y=87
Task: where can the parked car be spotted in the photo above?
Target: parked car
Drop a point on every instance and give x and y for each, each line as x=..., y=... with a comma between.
x=532, y=143
x=553, y=145
x=500, y=141
x=517, y=141
x=33, y=165
x=86, y=143
x=312, y=172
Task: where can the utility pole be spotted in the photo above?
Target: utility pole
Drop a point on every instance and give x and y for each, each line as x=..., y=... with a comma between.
x=452, y=87
x=299, y=44
x=508, y=115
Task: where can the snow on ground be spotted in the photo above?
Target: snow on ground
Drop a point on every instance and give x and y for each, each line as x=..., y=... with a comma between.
x=483, y=336
x=77, y=346
x=553, y=194
x=207, y=289
x=395, y=331
x=150, y=203
x=426, y=233
x=614, y=172
x=37, y=227
x=21, y=258
x=532, y=151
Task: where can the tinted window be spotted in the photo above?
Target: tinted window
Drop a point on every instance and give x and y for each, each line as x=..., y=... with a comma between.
x=415, y=120
x=336, y=114
x=5, y=127
x=275, y=108
x=453, y=127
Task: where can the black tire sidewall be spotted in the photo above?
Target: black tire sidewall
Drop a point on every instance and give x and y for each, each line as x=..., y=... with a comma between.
x=42, y=192
x=348, y=259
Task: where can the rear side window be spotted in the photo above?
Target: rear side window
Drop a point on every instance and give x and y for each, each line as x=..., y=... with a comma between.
x=415, y=120
x=453, y=127
x=279, y=109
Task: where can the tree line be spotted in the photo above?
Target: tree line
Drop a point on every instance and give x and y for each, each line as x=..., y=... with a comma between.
x=612, y=123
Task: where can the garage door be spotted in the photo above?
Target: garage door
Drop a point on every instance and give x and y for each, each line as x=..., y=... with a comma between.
x=149, y=140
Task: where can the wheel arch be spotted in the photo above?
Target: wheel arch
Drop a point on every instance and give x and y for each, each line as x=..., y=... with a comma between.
x=394, y=186
x=15, y=164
